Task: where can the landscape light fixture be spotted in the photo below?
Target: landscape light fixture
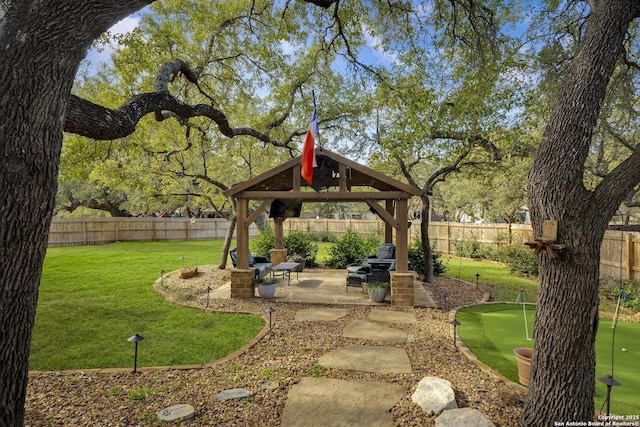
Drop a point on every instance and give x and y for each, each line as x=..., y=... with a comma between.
x=455, y=324
x=135, y=339
x=161, y=279
x=270, y=310
x=208, y=290
x=182, y=262
x=477, y=276
x=445, y=294
x=610, y=382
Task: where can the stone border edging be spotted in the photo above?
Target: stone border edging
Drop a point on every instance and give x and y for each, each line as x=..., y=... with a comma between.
x=151, y=369
x=518, y=389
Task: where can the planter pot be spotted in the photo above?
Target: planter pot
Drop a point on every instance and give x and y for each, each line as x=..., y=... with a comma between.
x=267, y=291
x=523, y=358
x=377, y=295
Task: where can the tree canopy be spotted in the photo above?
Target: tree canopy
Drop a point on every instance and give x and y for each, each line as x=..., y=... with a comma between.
x=229, y=86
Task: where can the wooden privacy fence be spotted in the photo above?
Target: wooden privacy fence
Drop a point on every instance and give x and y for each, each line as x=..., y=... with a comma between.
x=89, y=231
x=620, y=251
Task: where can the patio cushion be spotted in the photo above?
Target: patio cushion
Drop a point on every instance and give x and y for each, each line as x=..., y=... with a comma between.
x=386, y=251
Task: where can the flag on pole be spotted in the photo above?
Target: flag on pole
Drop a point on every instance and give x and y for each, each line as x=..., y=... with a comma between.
x=308, y=161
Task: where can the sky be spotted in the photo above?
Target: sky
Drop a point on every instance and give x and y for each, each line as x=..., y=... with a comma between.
x=100, y=53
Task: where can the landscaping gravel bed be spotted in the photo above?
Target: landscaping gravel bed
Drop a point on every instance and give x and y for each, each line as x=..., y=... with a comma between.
x=286, y=353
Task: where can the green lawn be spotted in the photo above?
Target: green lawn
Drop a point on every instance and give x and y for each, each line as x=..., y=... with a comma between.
x=92, y=298
x=492, y=331
x=494, y=277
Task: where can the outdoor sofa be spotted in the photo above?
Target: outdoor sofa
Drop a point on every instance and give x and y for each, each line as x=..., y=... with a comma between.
x=259, y=263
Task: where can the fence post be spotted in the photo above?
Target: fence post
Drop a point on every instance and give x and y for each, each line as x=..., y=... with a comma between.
x=630, y=259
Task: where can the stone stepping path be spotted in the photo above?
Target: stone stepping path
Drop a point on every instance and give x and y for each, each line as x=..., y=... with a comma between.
x=375, y=332
x=368, y=358
x=319, y=314
x=391, y=316
x=330, y=402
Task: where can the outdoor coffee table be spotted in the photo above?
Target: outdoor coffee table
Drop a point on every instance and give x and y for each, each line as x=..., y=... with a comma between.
x=284, y=269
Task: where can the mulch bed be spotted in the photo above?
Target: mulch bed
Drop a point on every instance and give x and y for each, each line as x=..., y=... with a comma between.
x=276, y=362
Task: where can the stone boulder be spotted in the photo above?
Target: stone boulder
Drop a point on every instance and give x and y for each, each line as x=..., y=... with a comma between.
x=465, y=417
x=434, y=394
x=188, y=272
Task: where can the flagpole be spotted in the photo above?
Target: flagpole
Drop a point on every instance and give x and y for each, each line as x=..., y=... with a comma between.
x=313, y=96
x=524, y=313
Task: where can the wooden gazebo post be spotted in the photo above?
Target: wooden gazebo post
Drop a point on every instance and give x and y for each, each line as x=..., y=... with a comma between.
x=279, y=253
x=242, y=276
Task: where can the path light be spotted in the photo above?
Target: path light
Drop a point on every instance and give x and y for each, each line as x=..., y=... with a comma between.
x=208, y=290
x=182, y=261
x=136, y=339
x=270, y=310
x=455, y=324
x=477, y=276
x=610, y=382
x=161, y=279
x=445, y=294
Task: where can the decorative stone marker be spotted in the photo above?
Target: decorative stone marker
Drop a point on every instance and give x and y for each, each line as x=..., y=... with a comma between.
x=464, y=417
x=234, y=393
x=434, y=395
x=179, y=412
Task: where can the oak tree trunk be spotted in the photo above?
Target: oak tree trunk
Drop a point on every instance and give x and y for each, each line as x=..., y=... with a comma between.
x=429, y=275
x=563, y=369
x=41, y=46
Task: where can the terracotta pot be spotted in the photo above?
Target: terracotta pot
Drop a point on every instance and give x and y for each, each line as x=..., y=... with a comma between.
x=523, y=358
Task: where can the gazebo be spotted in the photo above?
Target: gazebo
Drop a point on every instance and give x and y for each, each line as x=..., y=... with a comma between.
x=334, y=179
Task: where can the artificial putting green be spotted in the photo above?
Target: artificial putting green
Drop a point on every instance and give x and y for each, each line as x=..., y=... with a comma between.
x=492, y=331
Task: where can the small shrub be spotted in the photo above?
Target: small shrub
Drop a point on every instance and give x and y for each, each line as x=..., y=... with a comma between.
x=300, y=244
x=467, y=248
x=349, y=249
x=519, y=259
x=322, y=236
x=610, y=289
x=265, y=241
x=416, y=260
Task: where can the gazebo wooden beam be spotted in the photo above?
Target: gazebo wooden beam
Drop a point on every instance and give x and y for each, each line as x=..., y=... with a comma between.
x=386, y=216
x=255, y=214
x=334, y=196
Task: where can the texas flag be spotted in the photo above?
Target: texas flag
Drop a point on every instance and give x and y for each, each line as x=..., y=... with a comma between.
x=308, y=161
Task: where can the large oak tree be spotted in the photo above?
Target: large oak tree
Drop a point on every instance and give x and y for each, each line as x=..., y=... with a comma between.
x=41, y=46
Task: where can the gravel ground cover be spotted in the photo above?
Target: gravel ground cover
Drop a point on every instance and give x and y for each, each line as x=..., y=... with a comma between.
x=286, y=353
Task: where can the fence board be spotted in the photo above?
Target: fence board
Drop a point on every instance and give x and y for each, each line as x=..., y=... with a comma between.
x=620, y=251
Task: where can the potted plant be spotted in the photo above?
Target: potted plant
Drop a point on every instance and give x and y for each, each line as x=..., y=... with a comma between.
x=377, y=291
x=300, y=260
x=266, y=286
x=523, y=359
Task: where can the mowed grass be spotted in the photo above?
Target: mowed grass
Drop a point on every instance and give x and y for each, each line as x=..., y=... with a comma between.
x=494, y=277
x=92, y=298
x=492, y=331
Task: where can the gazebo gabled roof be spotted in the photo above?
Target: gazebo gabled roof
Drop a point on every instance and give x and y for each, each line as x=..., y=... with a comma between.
x=333, y=172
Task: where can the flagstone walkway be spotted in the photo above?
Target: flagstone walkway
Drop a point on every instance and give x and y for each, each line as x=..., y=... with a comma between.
x=325, y=401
